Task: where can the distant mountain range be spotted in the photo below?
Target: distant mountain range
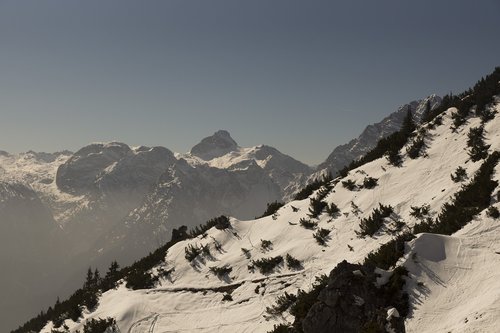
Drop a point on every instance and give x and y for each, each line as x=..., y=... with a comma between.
x=110, y=201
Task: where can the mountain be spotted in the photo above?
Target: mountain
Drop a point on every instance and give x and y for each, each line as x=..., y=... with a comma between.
x=108, y=200
x=113, y=179
x=397, y=244
x=344, y=154
x=238, y=183
x=221, y=151
x=217, y=145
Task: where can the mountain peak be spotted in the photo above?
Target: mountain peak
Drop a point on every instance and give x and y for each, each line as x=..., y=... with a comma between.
x=219, y=144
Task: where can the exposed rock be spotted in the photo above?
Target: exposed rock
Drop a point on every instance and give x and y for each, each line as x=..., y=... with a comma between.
x=350, y=303
x=78, y=174
x=214, y=146
x=356, y=148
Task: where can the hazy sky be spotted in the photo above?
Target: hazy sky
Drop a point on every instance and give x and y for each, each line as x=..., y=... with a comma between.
x=303, y=76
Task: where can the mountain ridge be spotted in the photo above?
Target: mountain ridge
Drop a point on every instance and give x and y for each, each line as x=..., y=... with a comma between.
x=414, y=192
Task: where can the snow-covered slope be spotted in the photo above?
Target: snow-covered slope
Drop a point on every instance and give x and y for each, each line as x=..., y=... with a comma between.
x=455, y=280
x=190, y=298
x=356, y=148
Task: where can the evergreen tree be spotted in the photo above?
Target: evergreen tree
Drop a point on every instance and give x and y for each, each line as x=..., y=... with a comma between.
x=89, y=280
x=97, y=279
x=394, y=157
x=408, y=125
x=427, y=115
x=478, y=149
x=109, y=281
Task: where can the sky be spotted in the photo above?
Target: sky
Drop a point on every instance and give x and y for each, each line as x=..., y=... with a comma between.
x=302, y=76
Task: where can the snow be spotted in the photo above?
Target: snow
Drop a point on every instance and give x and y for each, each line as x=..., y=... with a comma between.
x=454, y=282
x=40, y=173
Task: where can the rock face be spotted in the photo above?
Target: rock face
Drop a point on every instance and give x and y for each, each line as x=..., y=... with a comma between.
x=214, y=146
x=221, y=151
x=188, y=195
x=113, y=179
x=356, y=148
x=288, y=173
x=350, y=303
x=78, y=174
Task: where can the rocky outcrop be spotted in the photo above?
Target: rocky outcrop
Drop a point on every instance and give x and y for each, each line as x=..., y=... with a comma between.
x=214, y=146
x=78, y=174
x=351, y=302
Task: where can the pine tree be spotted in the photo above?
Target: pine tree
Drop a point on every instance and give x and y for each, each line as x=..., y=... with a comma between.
x=408, y=125
x=478, y=149
x=89, y=280
x=427, y=115
x=97, y=279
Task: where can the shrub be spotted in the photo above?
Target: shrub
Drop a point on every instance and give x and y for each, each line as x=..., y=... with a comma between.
x=459, y=118
x=420, y=212
x=438, y=121
x=283, y=328
x=205, y=249
x=332, y=210
x=139, y=279
x=324, y=190
x=227, y=297
x=313, y=186
x=217, y=245
x=460, y=175
x=283, y=303
x=349, y=184
x=107, y=325
x=272, y=208
x=308, y=224
x=394, y=157
x=316, y=207
x=266, y=245
x=372, y=224
x=292, y=262
x=487, y=115
x=355, y=209
x=165, y=273
x=221, y=271
x=416, y=148
x=388, y=254
x=370, y=182
x=221, y=223
x=246, y=252
x=267, y=265
x=321, y=236
x=493, y=212
x=191, y=252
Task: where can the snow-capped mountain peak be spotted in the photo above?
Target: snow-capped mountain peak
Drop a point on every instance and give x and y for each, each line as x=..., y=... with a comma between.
x=216, y=145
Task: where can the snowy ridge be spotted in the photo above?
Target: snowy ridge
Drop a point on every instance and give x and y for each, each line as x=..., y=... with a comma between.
x=38, y=171
x=356, y=148
x=288, y=173
x=190, y=298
